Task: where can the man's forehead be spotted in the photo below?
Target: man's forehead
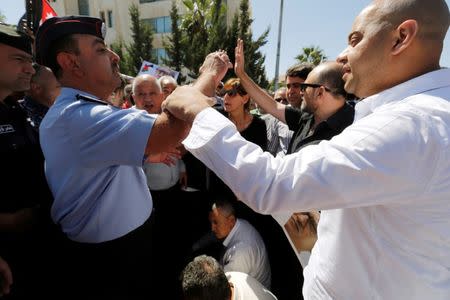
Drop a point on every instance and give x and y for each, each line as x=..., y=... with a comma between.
x=146, y=83
x=291, y=79
x=9, y=50
x=88, y=38
x=365, y=17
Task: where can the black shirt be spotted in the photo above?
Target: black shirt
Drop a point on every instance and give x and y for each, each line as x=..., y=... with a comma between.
x=22, y=177
x=301, y=123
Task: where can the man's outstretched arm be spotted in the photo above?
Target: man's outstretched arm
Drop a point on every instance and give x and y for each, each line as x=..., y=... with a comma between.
x=258, y=94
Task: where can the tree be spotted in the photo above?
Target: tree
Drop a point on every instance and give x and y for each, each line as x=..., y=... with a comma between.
x=218, y=28
x=118, y=47
x=173, y=44
x=141, y=47
x=312, y=55
x=204, y=29
x=195, y=26
x=2, y=17
x=254, y=59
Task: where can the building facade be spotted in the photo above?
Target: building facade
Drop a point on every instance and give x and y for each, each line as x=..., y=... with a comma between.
x=116, y=16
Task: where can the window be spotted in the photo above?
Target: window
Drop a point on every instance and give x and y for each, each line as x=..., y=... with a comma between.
x=102, y=16
x=159, y=54
x=83, y=7
x=147, y=1
x=160, y=25
x=110, y=19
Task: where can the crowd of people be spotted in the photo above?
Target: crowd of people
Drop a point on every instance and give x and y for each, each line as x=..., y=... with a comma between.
x=307, y=196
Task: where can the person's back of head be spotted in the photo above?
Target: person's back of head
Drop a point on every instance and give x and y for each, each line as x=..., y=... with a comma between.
x=204, y=279
x=44, y=87
x=329, y=73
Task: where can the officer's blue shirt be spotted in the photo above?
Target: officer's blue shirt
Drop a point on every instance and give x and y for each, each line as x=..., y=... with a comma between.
x=93, y=159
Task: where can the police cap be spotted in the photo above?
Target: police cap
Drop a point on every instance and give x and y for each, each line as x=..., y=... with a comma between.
x=56, y=28
x=11, y=37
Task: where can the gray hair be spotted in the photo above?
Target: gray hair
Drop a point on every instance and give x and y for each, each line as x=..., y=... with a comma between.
x=145, y=77
x=167, y=79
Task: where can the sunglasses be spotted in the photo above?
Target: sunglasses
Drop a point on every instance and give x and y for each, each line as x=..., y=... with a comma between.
x=281, y=100
x=233, y=92
x=303, y=86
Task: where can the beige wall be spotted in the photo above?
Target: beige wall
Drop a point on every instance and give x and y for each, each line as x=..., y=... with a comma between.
x=121, y=18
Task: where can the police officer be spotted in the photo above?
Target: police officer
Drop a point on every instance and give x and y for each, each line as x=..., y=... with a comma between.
x=23, y=218
x=94, y=154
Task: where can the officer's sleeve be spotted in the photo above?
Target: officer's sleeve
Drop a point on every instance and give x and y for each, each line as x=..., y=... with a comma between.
x=109, y=136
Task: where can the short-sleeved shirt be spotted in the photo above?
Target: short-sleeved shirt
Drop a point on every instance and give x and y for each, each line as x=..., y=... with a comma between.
x=301, y=123
x=93, y=159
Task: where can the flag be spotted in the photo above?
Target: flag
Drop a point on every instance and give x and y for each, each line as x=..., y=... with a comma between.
x=37, y=11
x=157, y=71
x=47, y=12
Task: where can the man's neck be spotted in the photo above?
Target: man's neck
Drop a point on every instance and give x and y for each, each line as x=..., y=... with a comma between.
x=321, y=115
x=80, y=85
x=4, y=94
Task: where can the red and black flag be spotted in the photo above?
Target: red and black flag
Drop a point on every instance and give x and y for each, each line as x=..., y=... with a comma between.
x=37, y=11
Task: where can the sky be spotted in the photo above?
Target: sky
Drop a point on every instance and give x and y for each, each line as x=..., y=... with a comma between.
x=323, y=23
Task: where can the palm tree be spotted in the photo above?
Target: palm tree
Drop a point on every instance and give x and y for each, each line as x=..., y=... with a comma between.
x=312, y=55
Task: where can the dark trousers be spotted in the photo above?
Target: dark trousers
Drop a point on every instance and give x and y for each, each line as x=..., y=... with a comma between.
x=119, y=269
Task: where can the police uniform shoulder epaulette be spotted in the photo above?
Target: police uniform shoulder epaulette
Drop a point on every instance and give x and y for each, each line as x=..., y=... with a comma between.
x=90, y=99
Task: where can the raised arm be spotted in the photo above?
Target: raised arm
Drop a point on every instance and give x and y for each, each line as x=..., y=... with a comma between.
x=168, y=131
x=186, y=102
x=258, y=94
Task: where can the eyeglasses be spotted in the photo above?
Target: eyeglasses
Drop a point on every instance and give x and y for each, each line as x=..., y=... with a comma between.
x=303, y=86
x=281, y=100
x=230, y=93
x=234, y=91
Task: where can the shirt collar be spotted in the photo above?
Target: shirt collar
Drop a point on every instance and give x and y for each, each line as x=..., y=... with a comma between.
x=70, y=93
x=232, y=233
x=342, y=116
x=426, y=82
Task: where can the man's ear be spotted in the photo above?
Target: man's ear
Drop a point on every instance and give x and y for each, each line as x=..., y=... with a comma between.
x=34, y=86
x=68, y=61
x=404, y=35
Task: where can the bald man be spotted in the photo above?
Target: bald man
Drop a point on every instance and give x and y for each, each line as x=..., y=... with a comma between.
x=44, y=89
x=168, y=84
x=147, y=93
x=383, y=184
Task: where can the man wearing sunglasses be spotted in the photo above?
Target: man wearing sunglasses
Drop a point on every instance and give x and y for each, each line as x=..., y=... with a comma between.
x=324, y=112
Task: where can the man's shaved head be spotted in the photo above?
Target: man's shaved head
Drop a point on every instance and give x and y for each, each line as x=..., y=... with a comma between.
x=432, y=16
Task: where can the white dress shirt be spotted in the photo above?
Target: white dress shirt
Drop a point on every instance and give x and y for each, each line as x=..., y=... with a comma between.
x=245, y=252
x=161, y=176
x=383, y=186
x=248, y=288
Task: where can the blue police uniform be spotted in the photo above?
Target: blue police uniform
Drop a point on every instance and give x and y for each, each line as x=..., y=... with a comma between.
x=93, y=159
x=94, y=154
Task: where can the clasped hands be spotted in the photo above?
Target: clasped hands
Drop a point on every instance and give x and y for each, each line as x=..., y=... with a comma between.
x=187, y=101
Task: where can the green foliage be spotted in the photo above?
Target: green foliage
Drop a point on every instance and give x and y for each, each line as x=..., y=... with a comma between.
x=312, y=55
x=254, y=59
x=218, y=28
x=203, y=29
x=231, y=39
x=2, y=17
x=173, y=43
x=141, y=47
x=118, y=47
